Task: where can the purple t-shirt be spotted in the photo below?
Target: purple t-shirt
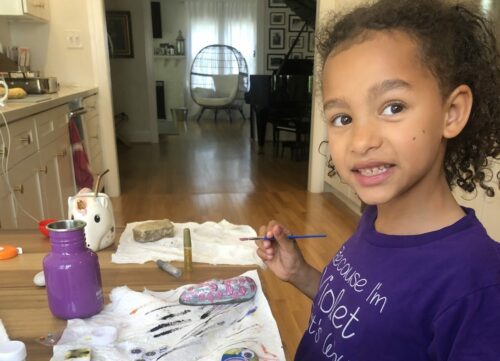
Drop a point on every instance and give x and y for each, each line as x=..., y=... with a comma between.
x=434, y=296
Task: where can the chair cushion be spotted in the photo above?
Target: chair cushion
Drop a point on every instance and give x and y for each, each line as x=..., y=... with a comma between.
x=214, y=102
x=226, y=87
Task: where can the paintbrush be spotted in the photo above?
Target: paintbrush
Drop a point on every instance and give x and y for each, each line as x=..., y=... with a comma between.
x=292, y=236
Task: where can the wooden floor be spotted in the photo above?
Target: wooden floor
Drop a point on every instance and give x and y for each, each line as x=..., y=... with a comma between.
x=211, y=171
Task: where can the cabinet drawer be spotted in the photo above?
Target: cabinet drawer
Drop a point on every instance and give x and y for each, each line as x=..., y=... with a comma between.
x=25, y=181
x=54, y=177
x=37, y=8
x=25, y=9
x=51, y=124
x=90, y=104
x=7, y=209
x=23, y=142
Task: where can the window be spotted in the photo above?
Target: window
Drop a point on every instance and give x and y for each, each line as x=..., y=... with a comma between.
x=227, y=22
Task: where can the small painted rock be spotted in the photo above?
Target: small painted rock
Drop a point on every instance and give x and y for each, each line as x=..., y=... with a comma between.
x=216, y=292
x=239, y=354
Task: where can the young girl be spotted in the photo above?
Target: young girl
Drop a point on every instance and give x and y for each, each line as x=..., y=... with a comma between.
x=411, y=98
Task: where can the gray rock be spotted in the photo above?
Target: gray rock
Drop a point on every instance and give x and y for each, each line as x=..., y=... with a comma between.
x=153, y=230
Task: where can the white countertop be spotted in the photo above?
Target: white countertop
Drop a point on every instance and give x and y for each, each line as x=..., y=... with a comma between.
x=13, y=110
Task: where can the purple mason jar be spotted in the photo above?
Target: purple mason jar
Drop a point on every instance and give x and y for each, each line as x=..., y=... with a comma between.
x=72, y=274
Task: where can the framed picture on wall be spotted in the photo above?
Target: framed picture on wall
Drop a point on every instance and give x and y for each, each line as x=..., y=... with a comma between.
x=277, y=18
x=277, y=4
x=300, y=41
x=276, y=38
x=295, y=23
x=274, y=61
x=296, y=55
x=119, y=30
x=310, y=42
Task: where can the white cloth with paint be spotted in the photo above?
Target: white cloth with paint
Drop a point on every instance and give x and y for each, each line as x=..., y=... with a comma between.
x=153, y=325
x=214, y=243
x=3, y=334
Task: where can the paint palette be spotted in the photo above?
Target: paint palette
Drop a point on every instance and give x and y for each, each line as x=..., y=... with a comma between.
x=216, y=292
x=240, y=354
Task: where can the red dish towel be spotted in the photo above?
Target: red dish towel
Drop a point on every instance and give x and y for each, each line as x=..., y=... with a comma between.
x=83, y=175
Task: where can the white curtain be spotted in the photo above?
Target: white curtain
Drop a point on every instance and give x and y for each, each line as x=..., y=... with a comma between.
x=227, y=22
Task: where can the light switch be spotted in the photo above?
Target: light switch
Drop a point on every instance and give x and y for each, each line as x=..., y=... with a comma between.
x=74, y=39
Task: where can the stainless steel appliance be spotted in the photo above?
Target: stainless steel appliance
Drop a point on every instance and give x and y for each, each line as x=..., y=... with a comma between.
x=34, y=85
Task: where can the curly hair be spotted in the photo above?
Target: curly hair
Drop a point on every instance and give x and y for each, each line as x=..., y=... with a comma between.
x=459, y=47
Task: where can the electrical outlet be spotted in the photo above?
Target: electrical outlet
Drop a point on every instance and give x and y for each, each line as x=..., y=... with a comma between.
x=74, y=39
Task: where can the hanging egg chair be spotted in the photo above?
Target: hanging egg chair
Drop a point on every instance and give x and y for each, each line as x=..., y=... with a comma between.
x=219, y=79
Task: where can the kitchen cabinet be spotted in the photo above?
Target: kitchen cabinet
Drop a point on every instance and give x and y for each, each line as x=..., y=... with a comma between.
x=38, y=177
x=37, y=10
x=91, y=135
x=25, y=201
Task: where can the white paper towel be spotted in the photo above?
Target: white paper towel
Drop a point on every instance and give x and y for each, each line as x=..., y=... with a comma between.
x=214, y=243
x=154, y=326
x=3, y=334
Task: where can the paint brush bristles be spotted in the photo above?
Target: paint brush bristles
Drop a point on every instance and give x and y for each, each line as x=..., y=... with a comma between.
x=292, y=236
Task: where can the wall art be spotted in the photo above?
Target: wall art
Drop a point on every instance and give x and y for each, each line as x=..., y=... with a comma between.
x=119, y=29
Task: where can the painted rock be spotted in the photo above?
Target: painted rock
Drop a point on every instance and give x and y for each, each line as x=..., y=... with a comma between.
x=216, y=292
x=239, y=354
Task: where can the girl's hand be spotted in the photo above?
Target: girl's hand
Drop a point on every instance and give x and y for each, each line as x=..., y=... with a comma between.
x=281, y=255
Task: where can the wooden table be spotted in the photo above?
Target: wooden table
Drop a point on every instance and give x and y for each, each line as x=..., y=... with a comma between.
x=24, y=308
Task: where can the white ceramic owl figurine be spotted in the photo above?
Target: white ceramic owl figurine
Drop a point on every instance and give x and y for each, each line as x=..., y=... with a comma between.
x=97, y=212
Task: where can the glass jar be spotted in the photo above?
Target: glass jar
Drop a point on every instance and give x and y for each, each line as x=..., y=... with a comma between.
x=179, y=44
x=72, y=273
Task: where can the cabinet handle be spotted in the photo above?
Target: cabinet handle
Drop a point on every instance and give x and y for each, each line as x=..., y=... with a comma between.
x=19, y=189
x=4, y=151
x=78, y=111
x=94, y=137
x=26, y=140
x=43, y=170
x=39, y=5
x=62, y=153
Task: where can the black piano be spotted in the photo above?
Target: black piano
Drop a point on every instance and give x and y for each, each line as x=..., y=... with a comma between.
x=281, y=98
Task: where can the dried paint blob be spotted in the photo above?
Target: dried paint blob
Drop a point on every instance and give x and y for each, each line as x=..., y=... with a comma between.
x=78, y=354
x=239, y=354
x=140, y=354
x=136, y=351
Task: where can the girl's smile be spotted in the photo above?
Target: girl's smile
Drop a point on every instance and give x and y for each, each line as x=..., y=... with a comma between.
x=371, y=174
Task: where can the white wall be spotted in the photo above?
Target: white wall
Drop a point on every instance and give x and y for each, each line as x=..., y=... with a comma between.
x=317, y=162
x=4, y=33
x=128, y=75
x=47, y=43
x=172, y=71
